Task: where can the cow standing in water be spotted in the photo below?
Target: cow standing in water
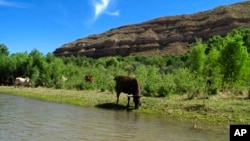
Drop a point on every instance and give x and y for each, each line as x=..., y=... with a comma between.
x=130, y=86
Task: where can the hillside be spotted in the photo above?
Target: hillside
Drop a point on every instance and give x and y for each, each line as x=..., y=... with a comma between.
x=165, y=35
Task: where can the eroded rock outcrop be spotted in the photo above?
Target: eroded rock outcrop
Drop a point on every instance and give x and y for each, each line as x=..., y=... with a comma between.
x=164, y=35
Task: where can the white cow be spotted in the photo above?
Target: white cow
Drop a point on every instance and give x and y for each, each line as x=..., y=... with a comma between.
x=22, y=81
x=63, y=78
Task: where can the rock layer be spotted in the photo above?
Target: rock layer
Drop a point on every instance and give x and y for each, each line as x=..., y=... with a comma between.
x=165, y=35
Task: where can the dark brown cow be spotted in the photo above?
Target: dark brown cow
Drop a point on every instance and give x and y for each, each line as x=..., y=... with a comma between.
x=130, y=86
x=89, y=78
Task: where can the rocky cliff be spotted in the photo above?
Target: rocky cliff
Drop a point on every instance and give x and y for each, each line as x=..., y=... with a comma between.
x=164, y=35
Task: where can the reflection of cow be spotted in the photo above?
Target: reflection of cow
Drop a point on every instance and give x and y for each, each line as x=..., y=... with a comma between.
x=89, y=78
x=19, y=81
x=130, y=86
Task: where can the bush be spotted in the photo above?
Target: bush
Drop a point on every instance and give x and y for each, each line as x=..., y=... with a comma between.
x=163, y=91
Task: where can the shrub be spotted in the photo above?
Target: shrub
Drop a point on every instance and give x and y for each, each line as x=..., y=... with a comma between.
x=163, y=91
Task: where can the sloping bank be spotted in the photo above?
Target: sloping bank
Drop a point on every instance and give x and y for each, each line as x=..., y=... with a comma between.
x=219, y=109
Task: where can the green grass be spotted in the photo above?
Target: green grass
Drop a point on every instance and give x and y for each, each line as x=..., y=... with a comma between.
x=219, y=109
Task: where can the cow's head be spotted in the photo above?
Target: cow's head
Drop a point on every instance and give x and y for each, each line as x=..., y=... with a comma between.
x=27, y=79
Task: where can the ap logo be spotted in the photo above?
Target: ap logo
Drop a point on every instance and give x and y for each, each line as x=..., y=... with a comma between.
x=239, y=132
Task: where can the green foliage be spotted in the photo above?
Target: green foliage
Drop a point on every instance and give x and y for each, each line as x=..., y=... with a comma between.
x=4, y=50
x=233, y=60
x=197, y=57
x=184, y=80
x=167, y=85
x=216, y=42
x=222, y=61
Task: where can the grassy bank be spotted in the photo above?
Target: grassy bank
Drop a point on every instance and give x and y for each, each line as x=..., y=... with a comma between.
x=220, y=109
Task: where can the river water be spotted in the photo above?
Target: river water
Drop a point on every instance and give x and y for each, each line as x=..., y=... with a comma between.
x=24, y=119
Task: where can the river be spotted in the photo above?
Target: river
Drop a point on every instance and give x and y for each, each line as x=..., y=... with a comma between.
x=25, y=119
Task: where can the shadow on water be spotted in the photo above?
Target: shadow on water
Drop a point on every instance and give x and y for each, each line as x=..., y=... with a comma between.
x=112, y=106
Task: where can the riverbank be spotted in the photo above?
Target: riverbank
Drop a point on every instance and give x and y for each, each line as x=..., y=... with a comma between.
x=220, y=109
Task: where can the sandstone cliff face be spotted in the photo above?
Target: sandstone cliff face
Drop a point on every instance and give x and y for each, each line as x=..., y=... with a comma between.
x=165, y=35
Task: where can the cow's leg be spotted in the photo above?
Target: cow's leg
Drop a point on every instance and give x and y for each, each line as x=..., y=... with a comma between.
x=128, y=101
x=117, y=96
x=15, y=85
x=117, y=100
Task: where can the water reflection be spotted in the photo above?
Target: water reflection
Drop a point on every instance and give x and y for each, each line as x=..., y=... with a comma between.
x=28, y=119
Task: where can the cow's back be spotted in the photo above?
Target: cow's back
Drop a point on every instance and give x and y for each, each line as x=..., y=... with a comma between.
x=22, y=81
x=127, y=85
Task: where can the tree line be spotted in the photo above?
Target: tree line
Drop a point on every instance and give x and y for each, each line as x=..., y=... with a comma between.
x=221, y=63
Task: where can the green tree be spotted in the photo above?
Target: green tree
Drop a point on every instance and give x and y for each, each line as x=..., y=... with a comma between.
x=233, y=60
x=216, y=42
x=243, y=34
x=55, y=69
x=197, y=57
x=212, y=71
x=4, y=50
x=185, y=81
x=4, y=72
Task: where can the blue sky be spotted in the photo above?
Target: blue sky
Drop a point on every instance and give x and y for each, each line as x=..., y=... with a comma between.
x=47, y=24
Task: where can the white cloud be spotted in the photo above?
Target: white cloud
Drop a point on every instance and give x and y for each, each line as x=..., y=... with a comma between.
x=101, y=6
x=8, y=3
x=116, y=13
